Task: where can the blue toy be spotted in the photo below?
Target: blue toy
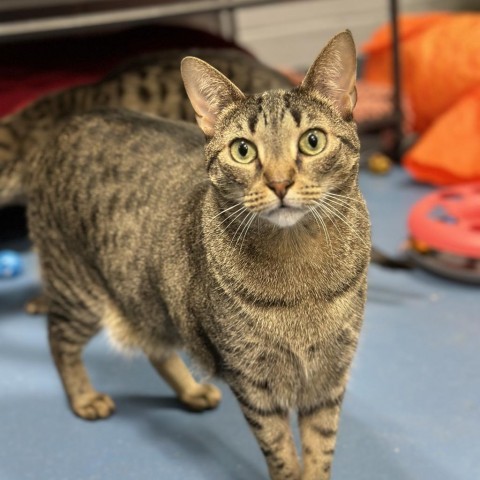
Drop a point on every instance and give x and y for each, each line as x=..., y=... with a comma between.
x=10, y=264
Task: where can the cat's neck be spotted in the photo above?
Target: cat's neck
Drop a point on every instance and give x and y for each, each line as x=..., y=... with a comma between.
x=283, y=265
x=236, y=233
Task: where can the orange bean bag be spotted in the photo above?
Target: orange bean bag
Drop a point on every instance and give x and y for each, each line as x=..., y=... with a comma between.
x=440, y=56
x=449, y=151
x=440, y=61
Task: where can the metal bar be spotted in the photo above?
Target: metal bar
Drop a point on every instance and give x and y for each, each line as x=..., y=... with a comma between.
x=397, y=83
x=117, y=17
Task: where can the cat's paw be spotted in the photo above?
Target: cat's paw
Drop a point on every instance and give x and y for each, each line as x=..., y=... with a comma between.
x=37, y=306
x=93, y=406
x=202, y=397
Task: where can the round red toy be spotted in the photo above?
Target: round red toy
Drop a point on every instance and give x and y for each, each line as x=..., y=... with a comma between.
x=445, y=232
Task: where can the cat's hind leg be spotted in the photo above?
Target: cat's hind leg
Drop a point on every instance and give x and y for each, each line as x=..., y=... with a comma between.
x=158, y=344
x=67, y=337
x=196, y=396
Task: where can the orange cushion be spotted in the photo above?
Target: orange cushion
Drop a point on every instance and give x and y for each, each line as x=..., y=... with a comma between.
x=440, y=61
x=449, y=152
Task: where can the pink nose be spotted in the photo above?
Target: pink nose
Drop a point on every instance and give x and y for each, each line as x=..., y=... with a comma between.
x=280, y=187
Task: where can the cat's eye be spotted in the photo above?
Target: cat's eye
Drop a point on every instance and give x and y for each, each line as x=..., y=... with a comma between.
x=243, y=151
x=312, y=142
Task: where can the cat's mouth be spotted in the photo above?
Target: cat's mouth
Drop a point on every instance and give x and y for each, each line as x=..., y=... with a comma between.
x=284, y=215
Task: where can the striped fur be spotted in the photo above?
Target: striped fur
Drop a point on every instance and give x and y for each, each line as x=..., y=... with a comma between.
x=145, y=229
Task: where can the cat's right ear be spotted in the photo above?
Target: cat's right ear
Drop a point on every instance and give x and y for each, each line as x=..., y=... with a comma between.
x=209, y=92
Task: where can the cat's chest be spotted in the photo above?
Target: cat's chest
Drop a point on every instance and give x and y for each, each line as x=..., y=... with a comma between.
x=277, y=339
x=288, y=364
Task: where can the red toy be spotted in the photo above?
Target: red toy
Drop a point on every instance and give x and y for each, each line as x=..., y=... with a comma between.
x=445, y=232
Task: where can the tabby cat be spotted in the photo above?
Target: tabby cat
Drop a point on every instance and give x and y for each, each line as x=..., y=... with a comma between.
x=247, y=246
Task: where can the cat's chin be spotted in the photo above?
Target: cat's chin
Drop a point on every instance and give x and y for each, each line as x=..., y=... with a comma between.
x=285, y=217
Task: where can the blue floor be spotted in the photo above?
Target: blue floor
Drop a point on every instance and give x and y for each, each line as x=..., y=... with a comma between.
x=412, y=411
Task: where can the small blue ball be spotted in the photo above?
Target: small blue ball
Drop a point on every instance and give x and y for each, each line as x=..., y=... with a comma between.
x=10, y=264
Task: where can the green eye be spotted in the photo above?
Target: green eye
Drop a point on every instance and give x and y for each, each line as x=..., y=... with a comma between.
x=312, y=142
x=243, y=151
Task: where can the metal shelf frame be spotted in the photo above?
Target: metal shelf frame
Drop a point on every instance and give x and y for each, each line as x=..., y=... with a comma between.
x=71, y=19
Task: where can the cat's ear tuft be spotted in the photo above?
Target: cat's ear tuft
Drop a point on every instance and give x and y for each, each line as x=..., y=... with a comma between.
x=334, y=72
x=209, y=92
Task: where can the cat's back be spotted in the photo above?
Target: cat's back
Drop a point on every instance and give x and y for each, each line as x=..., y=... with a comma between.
x=114, y=130
x=108, y=147
x=108, y=171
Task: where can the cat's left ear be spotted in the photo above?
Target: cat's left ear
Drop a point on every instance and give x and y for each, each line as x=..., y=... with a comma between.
x=209, y=92
x=334, y=72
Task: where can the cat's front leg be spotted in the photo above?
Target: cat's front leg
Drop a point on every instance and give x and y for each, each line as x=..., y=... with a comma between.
x=271, y=428
x=318, y=431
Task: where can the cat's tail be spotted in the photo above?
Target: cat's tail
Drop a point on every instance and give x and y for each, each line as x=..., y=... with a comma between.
x=11, y=165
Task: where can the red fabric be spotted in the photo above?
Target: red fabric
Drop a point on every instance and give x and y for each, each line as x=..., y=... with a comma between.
x=31, y=69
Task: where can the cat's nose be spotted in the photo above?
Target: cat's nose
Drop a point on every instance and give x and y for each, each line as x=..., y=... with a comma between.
x=280, y=187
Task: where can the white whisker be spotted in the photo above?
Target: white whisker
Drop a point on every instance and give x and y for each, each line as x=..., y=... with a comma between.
x=238, y=228
x=226, y=210
x=324, y=208
x=237, y=213
x=321, y=223
x=337, y=202
x=343, y=197
x=245, y=230
x=330, y=208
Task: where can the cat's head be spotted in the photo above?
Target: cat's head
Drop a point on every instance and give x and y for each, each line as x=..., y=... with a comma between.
x=281, y=153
